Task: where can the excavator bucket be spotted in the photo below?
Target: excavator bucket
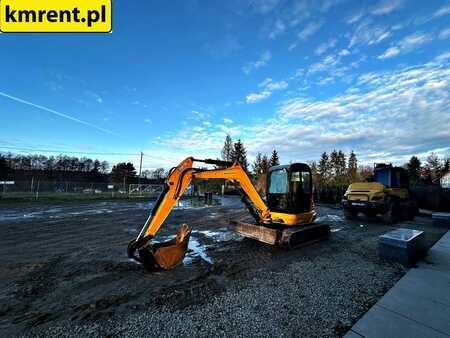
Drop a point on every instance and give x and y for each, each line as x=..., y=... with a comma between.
x=166, y=255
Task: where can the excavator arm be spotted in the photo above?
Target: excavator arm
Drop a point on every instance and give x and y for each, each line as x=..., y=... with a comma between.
x=168, y=255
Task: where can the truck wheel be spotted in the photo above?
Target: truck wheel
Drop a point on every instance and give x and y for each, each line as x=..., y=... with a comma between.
x=350, y=214
x=412, y=212
x=391, y=216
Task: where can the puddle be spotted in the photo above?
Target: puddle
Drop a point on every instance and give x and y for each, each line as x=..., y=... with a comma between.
x=194, y=203
x=220, y=235
x=333, y=218
x=196, y=250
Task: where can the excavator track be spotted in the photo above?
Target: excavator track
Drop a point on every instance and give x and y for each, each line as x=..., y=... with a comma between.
x=287, y=236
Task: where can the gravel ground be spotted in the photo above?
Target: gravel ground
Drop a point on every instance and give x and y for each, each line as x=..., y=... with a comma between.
x=233, y=287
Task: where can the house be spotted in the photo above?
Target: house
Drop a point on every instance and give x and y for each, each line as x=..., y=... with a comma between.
x=445, y=181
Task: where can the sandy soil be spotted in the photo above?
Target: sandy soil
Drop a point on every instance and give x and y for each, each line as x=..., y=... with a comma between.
x=64, y=271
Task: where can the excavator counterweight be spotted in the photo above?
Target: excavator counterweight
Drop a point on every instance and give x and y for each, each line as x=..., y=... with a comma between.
x=288, y=217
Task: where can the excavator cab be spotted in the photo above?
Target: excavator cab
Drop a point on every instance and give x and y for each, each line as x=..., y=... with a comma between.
x=289, y=188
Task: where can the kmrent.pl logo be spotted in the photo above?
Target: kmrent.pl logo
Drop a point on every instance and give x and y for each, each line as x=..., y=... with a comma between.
x=55, y=16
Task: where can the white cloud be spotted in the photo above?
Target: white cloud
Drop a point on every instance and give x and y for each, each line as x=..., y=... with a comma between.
x=265, y=6
x=278, y=29
x=444, y=34
x=405, y=45
x=206, y=123
x=385, y=7
x=444, y=10
x=96, y=97
x=261, y=62
x=323, y=47
x=256, y=97
x=390, y=52
x=149, y=121
x=366, y=34
x=309, y=30
x=414, y=40
x=227, y=121
x=387, y=116
x=443, y=57
x=344, y=52
x=268, y=87
x=354, y=17
x=324, y=65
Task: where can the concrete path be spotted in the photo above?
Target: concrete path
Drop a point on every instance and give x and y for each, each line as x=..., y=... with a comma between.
x=418, y=305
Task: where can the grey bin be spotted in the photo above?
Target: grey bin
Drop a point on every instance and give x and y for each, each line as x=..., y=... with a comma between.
x=402, y=245
x=441, y=219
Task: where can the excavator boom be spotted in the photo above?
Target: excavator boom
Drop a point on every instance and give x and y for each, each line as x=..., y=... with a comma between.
x=168, y=255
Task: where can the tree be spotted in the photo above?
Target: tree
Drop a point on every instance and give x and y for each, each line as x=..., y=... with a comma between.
x=352, y=170
x=4, y=168
x=227, y=149
x=158, y=173
x=96, y=166
x=104, y=166
x=314, y=172
x=434, y=167
x=446, y=167
x=239, y=154
x=265, y=164
x=324, y=170
x=334, y=163
x=257, y=164
x=365, y=172
x=121, y=171
x=414, y=168
x=274, y=159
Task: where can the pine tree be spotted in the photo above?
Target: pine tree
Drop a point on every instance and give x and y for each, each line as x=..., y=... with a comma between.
x=446, y=167
x=352, y=167
x=274, y=159
x=324, y=169
x=265, y=164
x=4, y=168
x=227, y=149
x=257, y=164
x=239, y=154
x=414, y=167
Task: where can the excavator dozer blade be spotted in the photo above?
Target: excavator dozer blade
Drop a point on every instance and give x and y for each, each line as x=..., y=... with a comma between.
x=166, y=255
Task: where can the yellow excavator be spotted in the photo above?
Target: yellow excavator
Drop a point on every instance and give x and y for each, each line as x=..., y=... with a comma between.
x=286, y=220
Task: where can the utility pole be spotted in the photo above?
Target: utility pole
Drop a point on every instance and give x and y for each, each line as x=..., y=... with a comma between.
x=140, y=172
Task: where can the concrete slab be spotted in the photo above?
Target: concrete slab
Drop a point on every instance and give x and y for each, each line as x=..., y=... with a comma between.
x=380, y=323
x=438, y=258
x=418, y=305
x=426, y=284
x=422, y=310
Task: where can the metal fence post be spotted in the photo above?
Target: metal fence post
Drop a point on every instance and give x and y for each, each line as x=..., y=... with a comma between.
x=37, y=190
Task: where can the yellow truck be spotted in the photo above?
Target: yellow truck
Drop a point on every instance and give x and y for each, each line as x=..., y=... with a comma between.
x=387, y=196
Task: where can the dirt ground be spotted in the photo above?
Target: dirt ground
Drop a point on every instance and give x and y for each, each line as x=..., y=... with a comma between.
x=64, y=271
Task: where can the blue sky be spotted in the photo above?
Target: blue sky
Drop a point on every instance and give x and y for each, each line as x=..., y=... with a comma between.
x=175, y=77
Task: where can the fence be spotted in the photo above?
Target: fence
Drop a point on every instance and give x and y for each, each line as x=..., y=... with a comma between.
x=432, y=197
x=66, y=190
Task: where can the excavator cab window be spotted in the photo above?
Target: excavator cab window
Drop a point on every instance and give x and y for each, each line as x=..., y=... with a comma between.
x=278, y=182
x=290, y=189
